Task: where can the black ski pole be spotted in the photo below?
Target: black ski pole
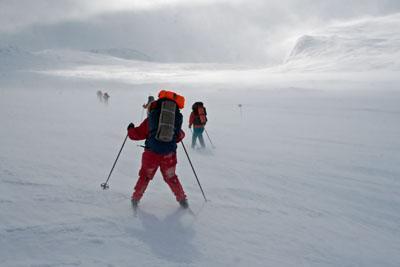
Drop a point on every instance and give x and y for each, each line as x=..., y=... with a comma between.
x=209, y=138
x=105, y=185
x=187, y=155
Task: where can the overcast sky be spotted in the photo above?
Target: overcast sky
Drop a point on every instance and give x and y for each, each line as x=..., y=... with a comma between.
x=178, y=30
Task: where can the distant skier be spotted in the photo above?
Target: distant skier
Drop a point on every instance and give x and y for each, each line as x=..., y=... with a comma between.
x=198, y=118
x=106, y=96
x=99, y=95
x=150, y=99
x=162, y=131
x=146, y=106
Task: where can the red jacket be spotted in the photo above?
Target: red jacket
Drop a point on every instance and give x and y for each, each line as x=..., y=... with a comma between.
x=142, y=132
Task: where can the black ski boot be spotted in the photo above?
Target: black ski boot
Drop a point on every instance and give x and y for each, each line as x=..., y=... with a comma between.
x=184, y=203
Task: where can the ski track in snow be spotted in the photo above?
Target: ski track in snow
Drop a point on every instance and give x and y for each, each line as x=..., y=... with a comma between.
x=300, y=178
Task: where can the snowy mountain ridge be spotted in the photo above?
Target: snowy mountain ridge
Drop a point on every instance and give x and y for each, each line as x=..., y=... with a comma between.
x=364, y=49
x=365, y=44
x=14, y=58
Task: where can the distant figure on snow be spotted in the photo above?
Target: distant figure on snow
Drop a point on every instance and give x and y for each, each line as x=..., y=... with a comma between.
x=100, y=95
x=198, y=118
x=240, y=108
x=162, y=130
x=146, y=106
x=150, y=99
x=106, y=96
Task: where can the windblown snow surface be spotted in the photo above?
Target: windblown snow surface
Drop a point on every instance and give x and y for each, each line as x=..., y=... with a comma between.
x=305, y=173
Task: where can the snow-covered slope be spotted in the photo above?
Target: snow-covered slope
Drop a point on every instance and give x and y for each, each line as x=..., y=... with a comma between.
x=362, y=45
x=298, y=178
x=75, y=57
x=13, y=58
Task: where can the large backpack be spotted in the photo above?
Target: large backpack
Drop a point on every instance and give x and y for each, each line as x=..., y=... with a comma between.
x=165, y=123
x=200, y=114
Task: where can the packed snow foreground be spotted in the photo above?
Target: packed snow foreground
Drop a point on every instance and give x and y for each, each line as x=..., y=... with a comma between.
x=305, y=169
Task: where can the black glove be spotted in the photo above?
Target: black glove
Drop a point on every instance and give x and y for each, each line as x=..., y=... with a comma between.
x=131, y=125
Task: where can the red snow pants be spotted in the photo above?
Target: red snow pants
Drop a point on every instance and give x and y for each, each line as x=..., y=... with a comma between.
x=150, y=163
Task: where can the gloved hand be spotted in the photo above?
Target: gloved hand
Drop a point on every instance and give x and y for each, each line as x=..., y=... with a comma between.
x=131, y=125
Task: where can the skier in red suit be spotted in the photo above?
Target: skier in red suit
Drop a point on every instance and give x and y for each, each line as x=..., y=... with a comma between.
x=158, y=154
